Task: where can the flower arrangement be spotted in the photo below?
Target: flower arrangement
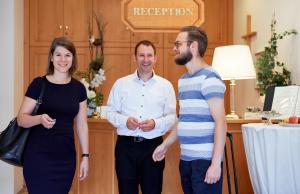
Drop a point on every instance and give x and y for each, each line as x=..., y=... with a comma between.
x=95, y=75
x=270, y=71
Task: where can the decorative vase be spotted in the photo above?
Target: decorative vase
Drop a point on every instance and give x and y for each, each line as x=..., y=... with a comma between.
x=91, y=108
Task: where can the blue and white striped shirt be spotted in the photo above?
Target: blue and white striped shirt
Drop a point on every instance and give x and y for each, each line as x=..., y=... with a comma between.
x=196, y=124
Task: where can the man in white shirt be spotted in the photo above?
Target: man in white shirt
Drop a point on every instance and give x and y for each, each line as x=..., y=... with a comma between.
x=142, y=106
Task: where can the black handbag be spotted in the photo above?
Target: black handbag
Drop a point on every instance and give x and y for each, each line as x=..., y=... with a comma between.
x=14, y=138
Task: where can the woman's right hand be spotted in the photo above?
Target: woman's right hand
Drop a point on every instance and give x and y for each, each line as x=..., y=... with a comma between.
x=84, y=168
x=47, y=121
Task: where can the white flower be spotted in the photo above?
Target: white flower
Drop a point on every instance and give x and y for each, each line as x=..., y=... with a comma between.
x=98, y=79
x=91, y=94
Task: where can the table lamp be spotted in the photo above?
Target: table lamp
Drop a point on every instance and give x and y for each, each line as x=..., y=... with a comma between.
x=233, y=62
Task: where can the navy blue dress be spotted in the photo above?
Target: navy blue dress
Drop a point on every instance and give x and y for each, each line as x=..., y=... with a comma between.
x=50, y=155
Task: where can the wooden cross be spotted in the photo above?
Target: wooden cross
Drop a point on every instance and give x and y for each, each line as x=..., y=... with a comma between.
x=248, y=36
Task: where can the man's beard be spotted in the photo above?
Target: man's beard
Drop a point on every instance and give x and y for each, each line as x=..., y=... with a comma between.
x=184, y=58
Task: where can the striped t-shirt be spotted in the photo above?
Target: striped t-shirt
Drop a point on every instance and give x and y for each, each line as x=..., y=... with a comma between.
x=196, y=124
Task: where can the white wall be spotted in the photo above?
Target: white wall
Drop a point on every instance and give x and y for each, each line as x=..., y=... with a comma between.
x=11, y=81
x=6, y=85
x=287, y=15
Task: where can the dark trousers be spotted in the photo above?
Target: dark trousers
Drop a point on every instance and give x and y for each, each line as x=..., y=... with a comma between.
x=192, y=178
x=135, y=166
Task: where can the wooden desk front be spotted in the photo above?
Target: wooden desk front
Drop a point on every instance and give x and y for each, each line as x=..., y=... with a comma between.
x=102, y=179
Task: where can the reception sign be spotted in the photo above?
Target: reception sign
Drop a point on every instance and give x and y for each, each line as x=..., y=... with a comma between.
x=161, y=15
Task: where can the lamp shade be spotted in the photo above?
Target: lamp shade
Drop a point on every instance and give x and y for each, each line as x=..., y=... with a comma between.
x=234, y=62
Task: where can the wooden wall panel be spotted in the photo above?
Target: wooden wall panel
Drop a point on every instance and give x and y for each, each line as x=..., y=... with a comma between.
x=117, y=64
x=50, y=19
x=116, y=33
x=156, y=38
x=76, y=15
x=83, y=58
x=218, y=22
x=44, y=25
x=159, y=66
x=38, y=61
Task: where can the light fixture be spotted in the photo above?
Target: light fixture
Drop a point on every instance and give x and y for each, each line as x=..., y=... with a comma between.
x=233, y=62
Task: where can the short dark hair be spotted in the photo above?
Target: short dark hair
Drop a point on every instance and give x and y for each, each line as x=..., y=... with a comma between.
x=198, y=35
x=144, y=42
x=67, y=44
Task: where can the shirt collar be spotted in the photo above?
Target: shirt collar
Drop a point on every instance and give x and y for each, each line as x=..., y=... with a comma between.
x=136, y=77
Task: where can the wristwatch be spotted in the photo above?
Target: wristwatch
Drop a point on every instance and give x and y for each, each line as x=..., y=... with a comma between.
x=85, y=155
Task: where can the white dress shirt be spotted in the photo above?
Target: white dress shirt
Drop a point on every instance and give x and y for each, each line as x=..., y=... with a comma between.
x=154, y=99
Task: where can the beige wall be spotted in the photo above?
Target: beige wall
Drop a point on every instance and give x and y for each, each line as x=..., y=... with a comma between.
x=18, y=74
x=287, y=15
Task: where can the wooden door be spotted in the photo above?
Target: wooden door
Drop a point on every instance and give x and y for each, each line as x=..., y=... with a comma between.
x=76, y=15
x=46, y=21
x=50, y=19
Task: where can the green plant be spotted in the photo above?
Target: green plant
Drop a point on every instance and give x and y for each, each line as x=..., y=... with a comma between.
x=271, y=72
x=95, y=75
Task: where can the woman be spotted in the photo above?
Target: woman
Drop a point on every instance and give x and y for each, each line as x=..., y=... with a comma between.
x=50, y=157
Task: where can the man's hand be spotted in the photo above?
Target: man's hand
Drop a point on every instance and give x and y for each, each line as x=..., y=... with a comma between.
x=132, y=123
x=213, y=174
x=159, y=153
x=147, y=125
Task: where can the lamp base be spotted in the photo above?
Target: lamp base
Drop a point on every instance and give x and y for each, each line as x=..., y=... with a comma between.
x=232, y=115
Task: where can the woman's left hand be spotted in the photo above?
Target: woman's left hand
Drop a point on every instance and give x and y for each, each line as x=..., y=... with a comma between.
x=84, y=168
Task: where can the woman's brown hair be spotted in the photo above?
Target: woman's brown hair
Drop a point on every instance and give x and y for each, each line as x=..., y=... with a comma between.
x=67, y=44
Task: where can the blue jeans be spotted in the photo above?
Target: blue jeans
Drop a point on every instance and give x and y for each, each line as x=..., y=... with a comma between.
x=192, y=178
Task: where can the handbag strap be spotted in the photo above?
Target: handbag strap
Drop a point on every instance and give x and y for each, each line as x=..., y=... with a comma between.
x=40, y=99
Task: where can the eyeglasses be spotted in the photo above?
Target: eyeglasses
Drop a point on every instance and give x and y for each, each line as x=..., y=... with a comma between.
x=177, y=44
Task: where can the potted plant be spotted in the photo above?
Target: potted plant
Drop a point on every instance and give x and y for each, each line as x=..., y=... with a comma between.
x=271, y=72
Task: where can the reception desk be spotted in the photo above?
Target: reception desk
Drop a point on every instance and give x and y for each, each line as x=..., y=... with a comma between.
x=102, y=179
x=273, y=158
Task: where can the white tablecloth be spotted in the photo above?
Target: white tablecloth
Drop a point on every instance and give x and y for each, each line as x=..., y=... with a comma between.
x=273, y=157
